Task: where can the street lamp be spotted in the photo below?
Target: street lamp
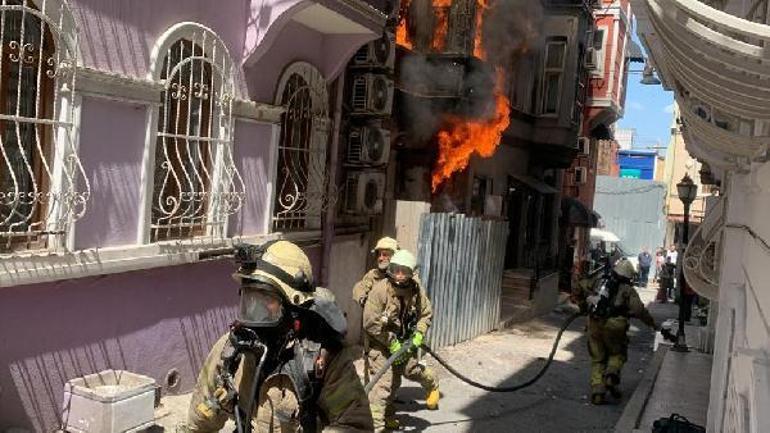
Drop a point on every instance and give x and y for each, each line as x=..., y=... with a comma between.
x=687, y=190
x=648, y=75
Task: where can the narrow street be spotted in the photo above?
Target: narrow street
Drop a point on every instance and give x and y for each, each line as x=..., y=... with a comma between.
x=556, y=403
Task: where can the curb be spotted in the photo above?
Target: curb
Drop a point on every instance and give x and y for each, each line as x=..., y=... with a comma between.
x=632, y=413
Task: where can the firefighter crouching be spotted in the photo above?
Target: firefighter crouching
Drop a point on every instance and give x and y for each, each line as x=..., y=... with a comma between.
x=609, y=312
x=289, y=338
x=397, y=310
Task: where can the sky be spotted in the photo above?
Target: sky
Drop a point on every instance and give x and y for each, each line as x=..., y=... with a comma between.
x=649, y=110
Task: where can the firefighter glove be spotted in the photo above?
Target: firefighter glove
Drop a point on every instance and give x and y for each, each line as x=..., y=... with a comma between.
x=394, y=347
x=417, y=340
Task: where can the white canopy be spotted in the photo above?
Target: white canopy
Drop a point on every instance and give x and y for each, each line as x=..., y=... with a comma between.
x=604, y=235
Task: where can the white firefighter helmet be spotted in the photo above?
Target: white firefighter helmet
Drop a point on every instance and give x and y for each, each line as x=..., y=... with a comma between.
x=386, y=243
x=625, y=269
x=404, y=258
x=284, y=266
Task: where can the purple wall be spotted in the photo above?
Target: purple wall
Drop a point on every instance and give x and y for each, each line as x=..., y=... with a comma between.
x=252, y=156
x=118, y=35
x=144, y=321
x=113, y=164
x=328, y=53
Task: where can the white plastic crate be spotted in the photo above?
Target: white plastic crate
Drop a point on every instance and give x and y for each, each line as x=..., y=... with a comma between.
x=111, y=401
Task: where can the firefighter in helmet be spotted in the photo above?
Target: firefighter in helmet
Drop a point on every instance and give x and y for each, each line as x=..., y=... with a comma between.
x=283, y=367
x=383, y=252
x=609, y=312
x=397, y=310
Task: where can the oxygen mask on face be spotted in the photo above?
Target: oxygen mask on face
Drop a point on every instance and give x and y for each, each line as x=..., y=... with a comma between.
x=261, y=306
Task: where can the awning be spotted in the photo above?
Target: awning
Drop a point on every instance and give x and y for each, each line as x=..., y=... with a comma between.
x=604, y=235
x=634, y=52
x=536, y=184
x=575, y=213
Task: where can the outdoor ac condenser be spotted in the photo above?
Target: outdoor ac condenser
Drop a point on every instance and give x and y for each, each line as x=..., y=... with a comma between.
x=364, y=191
x=379, y=53
x=372, y=94
x=368, y=145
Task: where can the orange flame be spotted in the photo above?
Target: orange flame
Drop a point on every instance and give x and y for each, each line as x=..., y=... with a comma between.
x=461, y=138
x=478, y=42
x=441, y=27
x=402, y=35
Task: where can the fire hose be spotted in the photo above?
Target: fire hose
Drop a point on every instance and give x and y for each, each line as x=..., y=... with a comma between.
x=408, y=346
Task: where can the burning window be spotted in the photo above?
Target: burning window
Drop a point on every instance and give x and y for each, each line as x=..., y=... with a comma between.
x=553, y=72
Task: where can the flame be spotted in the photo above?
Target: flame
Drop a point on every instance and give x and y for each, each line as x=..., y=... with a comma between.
x=402, y=32
x=461, y=138
x=478, y=42
x=441, y=27
x=402, y=35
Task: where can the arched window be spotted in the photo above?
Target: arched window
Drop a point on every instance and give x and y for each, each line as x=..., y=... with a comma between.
x=195, y=182
x=302, y=178
x=41, y=188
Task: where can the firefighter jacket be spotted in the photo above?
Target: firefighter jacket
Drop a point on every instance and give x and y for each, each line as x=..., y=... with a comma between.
x=394, y=313
x=623, y=301
x=337, y=398
x=362, y=288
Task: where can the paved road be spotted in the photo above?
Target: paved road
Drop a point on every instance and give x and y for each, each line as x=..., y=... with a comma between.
x=557, y=403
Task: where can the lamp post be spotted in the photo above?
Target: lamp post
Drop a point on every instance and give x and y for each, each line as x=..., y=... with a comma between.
x=687, y=190
x=648, y=75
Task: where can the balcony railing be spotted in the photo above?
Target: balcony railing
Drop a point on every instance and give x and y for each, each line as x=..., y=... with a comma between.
x=719, y=66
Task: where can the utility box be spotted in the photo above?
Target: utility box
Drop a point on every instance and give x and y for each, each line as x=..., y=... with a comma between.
x=111, y=401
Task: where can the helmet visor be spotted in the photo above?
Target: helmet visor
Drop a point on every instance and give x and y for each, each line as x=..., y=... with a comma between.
x=399, y=273
x=259, y=307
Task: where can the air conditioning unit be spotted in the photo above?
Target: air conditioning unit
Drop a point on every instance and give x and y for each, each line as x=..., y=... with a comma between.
x=581, y=175
x=372, y=94
x=592, y=59
x=379, y=53
x=584, y=145
x=368, y=145
x=364, y=191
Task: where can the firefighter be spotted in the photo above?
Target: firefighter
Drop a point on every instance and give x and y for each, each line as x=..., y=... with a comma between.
x=609, y=312
x=383, y=251
x=283, y=364
x=397, y=310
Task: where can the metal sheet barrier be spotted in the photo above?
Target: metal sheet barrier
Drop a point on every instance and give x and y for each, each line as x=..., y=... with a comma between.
x=461, y=267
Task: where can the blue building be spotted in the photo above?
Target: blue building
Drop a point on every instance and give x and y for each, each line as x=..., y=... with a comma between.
x=637, y=164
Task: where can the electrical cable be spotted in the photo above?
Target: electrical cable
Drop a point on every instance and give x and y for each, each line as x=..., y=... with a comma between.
x=469, y=381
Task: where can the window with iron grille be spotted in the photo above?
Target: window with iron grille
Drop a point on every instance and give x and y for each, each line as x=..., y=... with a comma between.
x=553, y=73
x=196, y=184
x=42, y=186
x=302, y=180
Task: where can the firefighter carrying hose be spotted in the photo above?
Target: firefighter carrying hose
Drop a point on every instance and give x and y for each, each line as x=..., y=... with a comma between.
x=397, y=310
x=609, y=312
x=284, y=365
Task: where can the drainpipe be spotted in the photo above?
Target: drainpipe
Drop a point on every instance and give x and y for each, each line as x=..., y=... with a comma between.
x=330, y=217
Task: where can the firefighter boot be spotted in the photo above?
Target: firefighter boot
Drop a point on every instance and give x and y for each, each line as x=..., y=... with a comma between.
x=431, y=401
x=612, y=382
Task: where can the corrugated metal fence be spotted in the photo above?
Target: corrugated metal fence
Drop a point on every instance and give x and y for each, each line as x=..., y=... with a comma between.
x=633, y=210
x=461, y=267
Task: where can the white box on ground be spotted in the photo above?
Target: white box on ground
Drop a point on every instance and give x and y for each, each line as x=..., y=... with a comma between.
x=111, y=401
